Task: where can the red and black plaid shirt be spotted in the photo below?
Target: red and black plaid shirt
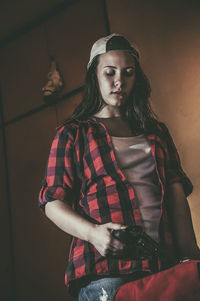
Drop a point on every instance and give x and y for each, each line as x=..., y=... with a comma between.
x=82, y=170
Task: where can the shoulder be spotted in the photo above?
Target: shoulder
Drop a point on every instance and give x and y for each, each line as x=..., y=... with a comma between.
x=162, y=126
x=72, y=127
x=162, y=135
x=164, y=132
x=160, y=129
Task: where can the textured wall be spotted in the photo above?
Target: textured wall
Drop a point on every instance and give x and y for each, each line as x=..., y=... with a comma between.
x=167, y=33
x=5, y=258
x=40, y=248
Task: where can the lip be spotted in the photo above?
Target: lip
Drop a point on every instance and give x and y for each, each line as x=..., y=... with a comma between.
x=118, y=94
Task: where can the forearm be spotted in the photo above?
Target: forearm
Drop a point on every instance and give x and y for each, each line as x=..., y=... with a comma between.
x=69, y=220
x=99, y=235
x=181, y=223
x=184, y=232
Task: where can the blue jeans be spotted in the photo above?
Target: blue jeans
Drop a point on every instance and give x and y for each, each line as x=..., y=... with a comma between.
x=103, y=289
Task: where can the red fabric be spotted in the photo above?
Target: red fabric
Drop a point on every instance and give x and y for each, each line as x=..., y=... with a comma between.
x=179, y=283
x=82, y=171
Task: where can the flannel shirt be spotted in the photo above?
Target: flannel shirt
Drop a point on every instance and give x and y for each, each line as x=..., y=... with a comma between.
x=82, y=170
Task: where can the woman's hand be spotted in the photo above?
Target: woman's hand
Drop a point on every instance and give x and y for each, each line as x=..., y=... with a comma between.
x=101, y=238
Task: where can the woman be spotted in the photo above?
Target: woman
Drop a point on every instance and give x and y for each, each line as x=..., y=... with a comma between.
x=111, y=166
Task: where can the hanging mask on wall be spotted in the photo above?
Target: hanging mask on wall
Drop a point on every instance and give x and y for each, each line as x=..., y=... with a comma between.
x=54, y=84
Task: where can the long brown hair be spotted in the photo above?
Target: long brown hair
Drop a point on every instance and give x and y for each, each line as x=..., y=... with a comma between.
x=136, y=110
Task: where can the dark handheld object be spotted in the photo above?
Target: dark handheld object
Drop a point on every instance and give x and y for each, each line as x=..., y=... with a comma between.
x=139, y=245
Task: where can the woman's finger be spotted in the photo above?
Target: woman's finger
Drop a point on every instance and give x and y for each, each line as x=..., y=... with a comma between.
x=115, y=226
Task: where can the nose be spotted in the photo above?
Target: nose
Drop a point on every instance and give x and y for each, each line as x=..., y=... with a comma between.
x=118, y=81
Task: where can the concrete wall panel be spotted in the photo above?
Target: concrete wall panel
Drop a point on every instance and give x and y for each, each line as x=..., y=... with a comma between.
x=40, y=248
x=5, y=251
x=167, y=33
x=67, y=107
x=70, y=36
x=24, y=65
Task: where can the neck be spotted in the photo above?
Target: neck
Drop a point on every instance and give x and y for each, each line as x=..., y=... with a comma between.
x=108, y=112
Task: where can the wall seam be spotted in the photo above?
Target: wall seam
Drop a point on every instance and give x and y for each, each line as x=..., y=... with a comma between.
x=55, y=10
x=10, y=223
x=42, y=107
x=106, y=17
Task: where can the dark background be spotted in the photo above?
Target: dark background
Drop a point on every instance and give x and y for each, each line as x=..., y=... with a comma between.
x=33, y=251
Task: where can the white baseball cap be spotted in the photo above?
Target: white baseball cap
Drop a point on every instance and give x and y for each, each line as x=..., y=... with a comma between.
x=112, y=42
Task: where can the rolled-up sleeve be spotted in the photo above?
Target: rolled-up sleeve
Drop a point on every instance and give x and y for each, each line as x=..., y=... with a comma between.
x=58, y=183
x=173, y=168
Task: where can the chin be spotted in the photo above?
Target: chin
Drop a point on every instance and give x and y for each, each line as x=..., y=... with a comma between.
x=117, y=102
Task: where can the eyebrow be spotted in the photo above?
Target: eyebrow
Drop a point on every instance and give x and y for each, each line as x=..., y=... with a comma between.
x=116, y=67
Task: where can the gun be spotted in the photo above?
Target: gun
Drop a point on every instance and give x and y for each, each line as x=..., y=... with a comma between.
x=139, y=245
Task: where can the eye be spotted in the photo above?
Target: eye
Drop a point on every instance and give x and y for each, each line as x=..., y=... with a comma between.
x=109, y=72
x=129, y=72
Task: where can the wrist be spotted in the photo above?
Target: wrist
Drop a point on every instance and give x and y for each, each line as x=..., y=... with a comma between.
x=92, y=233
x=184, y=259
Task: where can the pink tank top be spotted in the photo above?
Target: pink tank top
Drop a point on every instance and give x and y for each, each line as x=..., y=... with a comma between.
x=135, y=159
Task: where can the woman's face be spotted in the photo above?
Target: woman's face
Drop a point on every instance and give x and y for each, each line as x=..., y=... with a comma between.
x=116, y=76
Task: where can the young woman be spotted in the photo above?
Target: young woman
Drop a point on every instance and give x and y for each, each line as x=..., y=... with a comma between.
x=113, y=165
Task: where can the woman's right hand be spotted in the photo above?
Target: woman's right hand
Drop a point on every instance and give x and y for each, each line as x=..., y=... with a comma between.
x=102, y=239
x=100, y=236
